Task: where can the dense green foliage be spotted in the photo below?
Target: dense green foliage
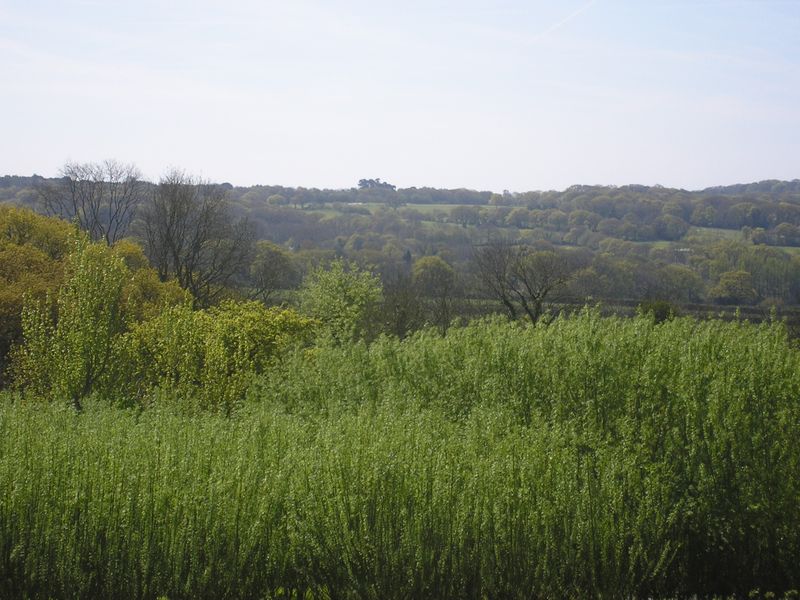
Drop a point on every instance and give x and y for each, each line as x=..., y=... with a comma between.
x=586, y=457
x=630, y=243
x=204, y=359
x=151, y=448
x=344, y=298
x=32, y=251
x=116, y=335
x=104, y=290
x=75, y=352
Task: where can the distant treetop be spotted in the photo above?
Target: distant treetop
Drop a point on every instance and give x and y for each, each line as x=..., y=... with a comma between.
x=375, y=184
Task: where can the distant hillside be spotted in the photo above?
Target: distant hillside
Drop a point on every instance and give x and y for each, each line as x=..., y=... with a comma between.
x=725, y=245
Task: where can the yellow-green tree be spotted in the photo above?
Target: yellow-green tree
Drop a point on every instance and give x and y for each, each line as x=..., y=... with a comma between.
x=206, y=359
x=70, y=354
x=144, y=294
x=344, y=298
x=70, y=332
x=32, y=252
x=435, y=279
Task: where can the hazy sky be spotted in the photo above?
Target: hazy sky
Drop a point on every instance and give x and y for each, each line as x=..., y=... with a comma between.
x=516, y=95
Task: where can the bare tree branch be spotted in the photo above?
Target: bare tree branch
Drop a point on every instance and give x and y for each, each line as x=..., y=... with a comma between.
x=101, y=197
x=516, y=274
x=190, y=235
x=494, y=262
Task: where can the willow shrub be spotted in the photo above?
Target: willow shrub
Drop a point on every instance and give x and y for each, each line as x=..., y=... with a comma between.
x=587, y=458
x=207, y=359
x=70, y=350
x=685, y=431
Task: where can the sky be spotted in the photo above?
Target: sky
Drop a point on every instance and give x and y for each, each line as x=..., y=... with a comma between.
x=504, y=95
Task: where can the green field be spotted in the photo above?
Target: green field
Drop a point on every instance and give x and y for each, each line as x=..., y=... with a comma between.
x=715, y=233
x=591, y=457
x=374, y=207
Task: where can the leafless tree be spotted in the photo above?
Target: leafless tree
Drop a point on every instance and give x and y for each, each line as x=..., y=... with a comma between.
x=189, y=234
x=494, y=265
x=101, y=197
x=521, y=275
x=401, y=310
x=536, y=274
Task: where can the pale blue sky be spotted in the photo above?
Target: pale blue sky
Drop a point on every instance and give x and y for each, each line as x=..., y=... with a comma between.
x=487, y=95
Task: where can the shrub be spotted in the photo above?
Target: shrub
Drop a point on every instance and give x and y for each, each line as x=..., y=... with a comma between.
x=206, y=359
x=70, y=352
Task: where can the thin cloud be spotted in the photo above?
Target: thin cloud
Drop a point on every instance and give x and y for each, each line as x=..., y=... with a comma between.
x=573, y=15
x=526, y=38
x=759, y=3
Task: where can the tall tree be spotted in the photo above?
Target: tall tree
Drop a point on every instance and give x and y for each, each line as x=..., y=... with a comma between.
x=493, y=263
x=521, y=275
x=32, y=251
x=270, y=271
x=101, y=197
x=436, y=281
x=190, y=234
x=401, y=309
x=535, y=274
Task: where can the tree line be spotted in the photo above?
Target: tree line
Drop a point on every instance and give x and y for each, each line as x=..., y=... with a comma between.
x=509, y=252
